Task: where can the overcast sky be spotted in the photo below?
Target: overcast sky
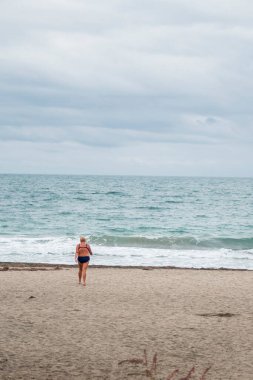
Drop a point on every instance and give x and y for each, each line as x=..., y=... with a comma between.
x=126, y=87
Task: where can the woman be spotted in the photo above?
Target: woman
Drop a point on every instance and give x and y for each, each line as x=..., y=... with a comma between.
x=82, y=256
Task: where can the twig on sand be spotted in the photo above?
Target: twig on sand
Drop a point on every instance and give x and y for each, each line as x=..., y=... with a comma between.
x=131, y=361
x=188, y=376
x=171, y=376
x=145, y=362
x=150, y=372
x=204, y=373
x=154, y=364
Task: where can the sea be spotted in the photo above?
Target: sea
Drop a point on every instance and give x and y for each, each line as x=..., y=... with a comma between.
x=187, y=222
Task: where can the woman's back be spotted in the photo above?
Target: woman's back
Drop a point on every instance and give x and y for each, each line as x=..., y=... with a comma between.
x=83, y=249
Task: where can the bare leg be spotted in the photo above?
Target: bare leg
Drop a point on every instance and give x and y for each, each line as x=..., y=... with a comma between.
x=85, y=266
x=80, y=272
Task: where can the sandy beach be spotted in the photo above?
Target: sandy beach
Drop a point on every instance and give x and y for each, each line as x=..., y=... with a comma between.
x=53, y=328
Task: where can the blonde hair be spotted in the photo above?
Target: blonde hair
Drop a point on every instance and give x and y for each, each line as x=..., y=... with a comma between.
x=82, y=238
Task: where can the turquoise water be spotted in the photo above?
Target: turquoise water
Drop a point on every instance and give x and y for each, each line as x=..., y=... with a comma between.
x=188, y=222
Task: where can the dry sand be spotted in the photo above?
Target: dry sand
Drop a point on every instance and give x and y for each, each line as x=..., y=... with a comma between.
x=52, y=328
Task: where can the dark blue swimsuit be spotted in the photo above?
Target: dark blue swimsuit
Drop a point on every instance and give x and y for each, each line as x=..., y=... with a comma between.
x=83, y=259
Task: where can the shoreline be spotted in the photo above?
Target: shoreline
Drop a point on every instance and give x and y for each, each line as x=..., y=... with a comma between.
x=10, y=265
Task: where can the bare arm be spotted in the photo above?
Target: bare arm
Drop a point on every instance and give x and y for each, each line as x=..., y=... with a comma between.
x=76, y=254
x=89, y=249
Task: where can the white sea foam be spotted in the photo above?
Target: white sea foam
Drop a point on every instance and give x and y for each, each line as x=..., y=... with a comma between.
x=61, y=250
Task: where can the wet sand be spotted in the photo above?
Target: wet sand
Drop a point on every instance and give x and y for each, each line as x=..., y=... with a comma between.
x=53, y=328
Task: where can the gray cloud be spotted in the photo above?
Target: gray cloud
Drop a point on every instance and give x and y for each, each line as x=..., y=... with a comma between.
x=126, y=74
